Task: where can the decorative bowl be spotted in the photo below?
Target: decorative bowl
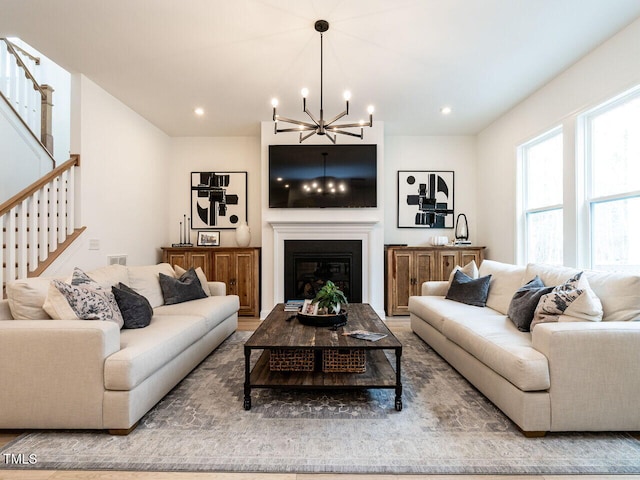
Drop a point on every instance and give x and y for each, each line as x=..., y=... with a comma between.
x=337, y=320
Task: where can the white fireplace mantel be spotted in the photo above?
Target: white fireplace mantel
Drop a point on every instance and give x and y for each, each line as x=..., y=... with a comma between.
x=363, y=230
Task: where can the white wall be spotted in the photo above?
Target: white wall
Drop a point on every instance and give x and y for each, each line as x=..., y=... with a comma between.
x=125, y=189
x=607, y=71
x=206, y=154
x=457, y=153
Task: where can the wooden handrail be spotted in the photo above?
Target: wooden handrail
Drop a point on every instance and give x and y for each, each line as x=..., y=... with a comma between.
x=35, y=59
x=34, y=187
x=28, y=74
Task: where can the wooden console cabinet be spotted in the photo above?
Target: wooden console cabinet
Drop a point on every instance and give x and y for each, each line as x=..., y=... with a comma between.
x=407, y=268
x=238, y=268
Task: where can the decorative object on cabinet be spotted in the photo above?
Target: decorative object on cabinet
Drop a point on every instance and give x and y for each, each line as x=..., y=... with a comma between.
x=218, y=199
x=407, y=268
x=243, y=235
x=425, y=199
x=462, y=230
x=185, y=234
x=238, y=268
x=208, y=238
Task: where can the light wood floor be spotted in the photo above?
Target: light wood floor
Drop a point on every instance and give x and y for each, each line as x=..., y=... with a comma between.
x=396, y=324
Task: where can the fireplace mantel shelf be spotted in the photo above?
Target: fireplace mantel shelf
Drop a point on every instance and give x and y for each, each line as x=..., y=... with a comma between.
x=322, y=223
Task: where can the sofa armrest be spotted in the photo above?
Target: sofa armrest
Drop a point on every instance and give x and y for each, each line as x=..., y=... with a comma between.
x=435, y=288
x=52, y=373
x=595, y=373
x=218, y=289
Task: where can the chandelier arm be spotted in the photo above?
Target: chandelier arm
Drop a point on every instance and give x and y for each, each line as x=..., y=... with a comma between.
x=333, y=139
x=351, y=134
x=296, y=122
x=336, y=118
x=352, y=125
x=303, y=138
x=298, y=129
x=315, y=120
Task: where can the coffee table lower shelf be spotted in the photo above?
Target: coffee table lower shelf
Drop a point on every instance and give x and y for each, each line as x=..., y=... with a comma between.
x=379, y=374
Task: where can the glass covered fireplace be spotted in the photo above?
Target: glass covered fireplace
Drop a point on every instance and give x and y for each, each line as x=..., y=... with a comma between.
x=308, y=264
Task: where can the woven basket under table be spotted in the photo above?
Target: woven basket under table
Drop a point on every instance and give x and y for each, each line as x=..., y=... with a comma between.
x=292, y=360
x=344, y=360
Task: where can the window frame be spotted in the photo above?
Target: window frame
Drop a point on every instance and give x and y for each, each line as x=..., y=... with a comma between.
x=589, y=200
x=523, y=211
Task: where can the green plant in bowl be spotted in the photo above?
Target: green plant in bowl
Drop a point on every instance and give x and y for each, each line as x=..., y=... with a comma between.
x=330, y=298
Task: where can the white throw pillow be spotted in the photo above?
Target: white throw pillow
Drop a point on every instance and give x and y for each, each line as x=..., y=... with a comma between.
x=201, y=276
x=27, y=296
x=470, y=270
x=506, y=279
x=146, y=281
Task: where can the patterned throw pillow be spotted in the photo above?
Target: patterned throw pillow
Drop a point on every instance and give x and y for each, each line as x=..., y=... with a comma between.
x=83, y=299
x=554, y=303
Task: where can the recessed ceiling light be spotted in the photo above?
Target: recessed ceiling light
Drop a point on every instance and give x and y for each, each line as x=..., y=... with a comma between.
x=445, y=110
x=199, y=111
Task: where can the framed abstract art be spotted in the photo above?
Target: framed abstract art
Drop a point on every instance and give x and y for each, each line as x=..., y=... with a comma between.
x=425, y=199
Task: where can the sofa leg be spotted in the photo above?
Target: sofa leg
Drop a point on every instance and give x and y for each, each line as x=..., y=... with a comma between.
x=123, y=431
x=534, y=434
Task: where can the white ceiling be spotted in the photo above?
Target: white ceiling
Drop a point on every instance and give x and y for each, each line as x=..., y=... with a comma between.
x=407, y=57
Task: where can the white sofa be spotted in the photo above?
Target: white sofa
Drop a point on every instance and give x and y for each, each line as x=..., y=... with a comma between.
x=566, y=376
x=79, y=374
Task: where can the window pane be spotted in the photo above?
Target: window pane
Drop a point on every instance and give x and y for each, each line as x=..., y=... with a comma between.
x=615, y=150
x=544, y=237
x=544, y=173
x=616, y=235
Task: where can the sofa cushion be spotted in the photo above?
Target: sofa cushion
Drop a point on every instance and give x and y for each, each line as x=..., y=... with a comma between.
x=110, y=275
x=496, y=342
x=26, y=298
x=145, y=280
x=524, y=302
x=144, y=351
x=201, y=276
x=183, y=289
x=619, y=294
x=506, y=279
x=136, y=309
x=214, y=309
x=435, y=310
x=472, y=291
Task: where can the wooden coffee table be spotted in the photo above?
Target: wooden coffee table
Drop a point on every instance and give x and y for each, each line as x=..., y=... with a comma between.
x=282, y=332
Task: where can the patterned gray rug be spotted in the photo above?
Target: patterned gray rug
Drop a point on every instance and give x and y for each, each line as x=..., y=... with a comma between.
x=446, y=427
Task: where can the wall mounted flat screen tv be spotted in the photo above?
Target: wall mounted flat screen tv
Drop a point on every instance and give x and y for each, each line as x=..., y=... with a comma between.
x=322, y=176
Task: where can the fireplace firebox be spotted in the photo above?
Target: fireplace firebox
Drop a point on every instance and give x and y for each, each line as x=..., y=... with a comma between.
x=308, y=264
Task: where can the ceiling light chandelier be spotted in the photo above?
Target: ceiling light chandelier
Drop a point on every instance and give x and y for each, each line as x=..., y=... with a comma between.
x=319, y=126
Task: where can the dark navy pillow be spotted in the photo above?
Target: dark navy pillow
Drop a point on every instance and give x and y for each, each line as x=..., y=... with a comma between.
x=465, y=289
x=136, y=309
x=524, y=303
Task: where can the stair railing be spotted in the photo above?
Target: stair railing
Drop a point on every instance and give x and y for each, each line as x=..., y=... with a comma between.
x=39, y=223
x=32, y=101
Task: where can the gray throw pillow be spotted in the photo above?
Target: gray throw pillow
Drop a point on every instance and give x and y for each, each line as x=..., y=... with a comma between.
x=465, y=289
x=136, y=309
x=524, y=303
x=183, y=289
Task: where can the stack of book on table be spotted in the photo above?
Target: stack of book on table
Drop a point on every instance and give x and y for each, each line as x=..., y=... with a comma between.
x=293, y=305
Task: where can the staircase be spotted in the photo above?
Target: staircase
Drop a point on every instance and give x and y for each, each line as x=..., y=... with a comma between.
x=39, y=222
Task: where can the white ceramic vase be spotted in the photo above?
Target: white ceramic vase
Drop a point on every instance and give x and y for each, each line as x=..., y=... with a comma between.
x=243, y=235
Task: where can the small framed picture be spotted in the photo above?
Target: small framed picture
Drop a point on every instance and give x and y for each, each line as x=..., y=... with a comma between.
x=309, y=308
x=208, y=238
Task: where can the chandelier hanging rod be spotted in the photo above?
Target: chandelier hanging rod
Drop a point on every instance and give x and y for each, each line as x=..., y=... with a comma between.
x=319, y=125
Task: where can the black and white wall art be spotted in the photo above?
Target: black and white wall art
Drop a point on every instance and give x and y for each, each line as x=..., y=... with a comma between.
x=425, y=199
x=218, y=199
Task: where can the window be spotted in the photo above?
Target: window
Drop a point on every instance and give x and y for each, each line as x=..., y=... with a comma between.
x=541, y=232
x=612, y=140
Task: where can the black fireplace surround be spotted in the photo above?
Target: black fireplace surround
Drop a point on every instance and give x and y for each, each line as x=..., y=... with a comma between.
x=308, y=264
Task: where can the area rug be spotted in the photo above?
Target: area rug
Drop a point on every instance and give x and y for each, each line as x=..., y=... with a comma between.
x=446, y=427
